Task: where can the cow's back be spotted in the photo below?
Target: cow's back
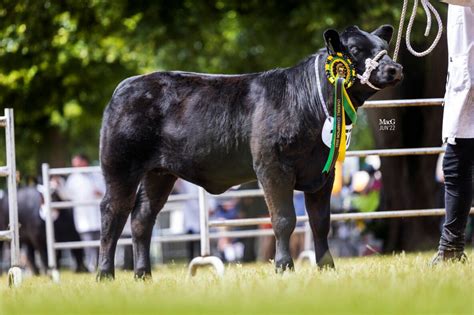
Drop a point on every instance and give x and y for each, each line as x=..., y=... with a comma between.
x=193, y=125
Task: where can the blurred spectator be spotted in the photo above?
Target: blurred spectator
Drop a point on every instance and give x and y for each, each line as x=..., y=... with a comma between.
x=266, y=244
x=64, y=225
x=297, y=239
x=124, y=253
x=82, y=187
x=229, y=249
x=190, y=215
x=251, y=207
x=339, y=193
x=366, y=187
x=361, y=191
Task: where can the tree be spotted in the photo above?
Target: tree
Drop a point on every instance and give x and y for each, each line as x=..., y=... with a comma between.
x=59, y=63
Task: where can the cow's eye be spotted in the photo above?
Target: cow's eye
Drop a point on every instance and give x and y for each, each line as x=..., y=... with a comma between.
x=354, y=50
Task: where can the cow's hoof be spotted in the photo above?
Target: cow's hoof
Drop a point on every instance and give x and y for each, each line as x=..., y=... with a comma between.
x=330, y=266
x=104, y=276
x=282, y=265
x=141, y=275
x=326, y=262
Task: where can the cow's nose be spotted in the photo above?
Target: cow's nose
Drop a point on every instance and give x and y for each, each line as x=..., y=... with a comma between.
x=395, y=71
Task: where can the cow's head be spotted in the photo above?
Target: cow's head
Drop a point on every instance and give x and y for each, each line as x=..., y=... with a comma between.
x=361, y=46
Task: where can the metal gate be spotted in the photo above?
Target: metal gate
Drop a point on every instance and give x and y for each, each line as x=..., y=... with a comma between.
x=205, y=223
x=9, y=171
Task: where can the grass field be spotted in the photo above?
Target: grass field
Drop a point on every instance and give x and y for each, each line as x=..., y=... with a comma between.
x=402, y=284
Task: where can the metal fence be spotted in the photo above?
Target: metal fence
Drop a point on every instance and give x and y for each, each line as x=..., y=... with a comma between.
x=9, y=171
x=205, y=259
x=202, y=197
x=52, y=245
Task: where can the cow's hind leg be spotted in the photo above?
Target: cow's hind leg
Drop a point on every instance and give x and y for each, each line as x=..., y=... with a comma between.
x=156, y=188
x=278, y=188
x=30, y=256
x=115, y=208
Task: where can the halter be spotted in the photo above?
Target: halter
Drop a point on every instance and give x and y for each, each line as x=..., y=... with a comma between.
x=370, y=65
x=340, y=72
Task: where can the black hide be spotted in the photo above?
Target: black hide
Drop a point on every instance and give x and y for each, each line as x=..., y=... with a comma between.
x=221, y=130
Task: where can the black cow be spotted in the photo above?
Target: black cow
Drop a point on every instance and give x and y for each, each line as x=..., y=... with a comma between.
x=33, y=227
x=221, y=130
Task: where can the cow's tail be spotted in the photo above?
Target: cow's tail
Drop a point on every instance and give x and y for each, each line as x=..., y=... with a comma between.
x=141, y=199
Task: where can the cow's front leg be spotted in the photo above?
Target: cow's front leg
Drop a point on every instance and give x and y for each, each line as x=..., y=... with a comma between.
x=278, y=188
x=318, y=208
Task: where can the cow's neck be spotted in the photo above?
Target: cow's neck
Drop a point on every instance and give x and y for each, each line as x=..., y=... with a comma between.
x=302, y=85
x=359, y=94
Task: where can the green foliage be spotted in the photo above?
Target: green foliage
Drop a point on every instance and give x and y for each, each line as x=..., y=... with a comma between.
x=61, y=60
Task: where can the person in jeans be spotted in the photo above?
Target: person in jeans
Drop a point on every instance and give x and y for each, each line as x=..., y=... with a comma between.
x=458, y=131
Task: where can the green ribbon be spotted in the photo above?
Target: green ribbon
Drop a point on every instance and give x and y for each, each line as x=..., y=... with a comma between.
x=342, y=104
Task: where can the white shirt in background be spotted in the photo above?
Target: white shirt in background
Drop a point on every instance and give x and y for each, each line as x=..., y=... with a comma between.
x=191, y=207
x=84, y=187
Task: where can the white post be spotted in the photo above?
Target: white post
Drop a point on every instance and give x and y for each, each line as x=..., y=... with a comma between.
x=14, y=272
x=205, y=259
x=204, y=223
x=308, y=236
x=49, y=222
x=307, y=254
x=11, y=181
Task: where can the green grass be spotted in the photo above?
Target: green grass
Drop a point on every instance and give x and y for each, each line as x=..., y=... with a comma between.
x=402, y=284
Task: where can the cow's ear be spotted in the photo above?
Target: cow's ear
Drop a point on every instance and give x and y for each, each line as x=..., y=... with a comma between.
x=385, y=32
x=333, y=41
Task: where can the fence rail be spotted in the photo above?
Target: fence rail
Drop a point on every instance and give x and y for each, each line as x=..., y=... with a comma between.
x=397, y=152
x=404, y=103
x=74, y=170
x=339, y=217
x=70, y=204
x=179, y=238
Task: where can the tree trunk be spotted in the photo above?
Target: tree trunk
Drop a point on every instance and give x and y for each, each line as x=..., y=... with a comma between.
x=56, y=149
x=409, y=181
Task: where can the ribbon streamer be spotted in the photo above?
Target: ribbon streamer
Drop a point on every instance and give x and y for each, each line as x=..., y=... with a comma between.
x=342, y=106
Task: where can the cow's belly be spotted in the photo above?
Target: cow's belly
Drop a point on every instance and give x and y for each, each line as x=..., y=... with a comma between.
x=215, y=171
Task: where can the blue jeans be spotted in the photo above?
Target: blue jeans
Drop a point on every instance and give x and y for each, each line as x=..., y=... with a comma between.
x=458, y=170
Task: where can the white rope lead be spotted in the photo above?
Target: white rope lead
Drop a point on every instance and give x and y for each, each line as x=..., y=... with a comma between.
x=400, y=30
x=428, y=8
x=371, y=65
x=318, y=82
